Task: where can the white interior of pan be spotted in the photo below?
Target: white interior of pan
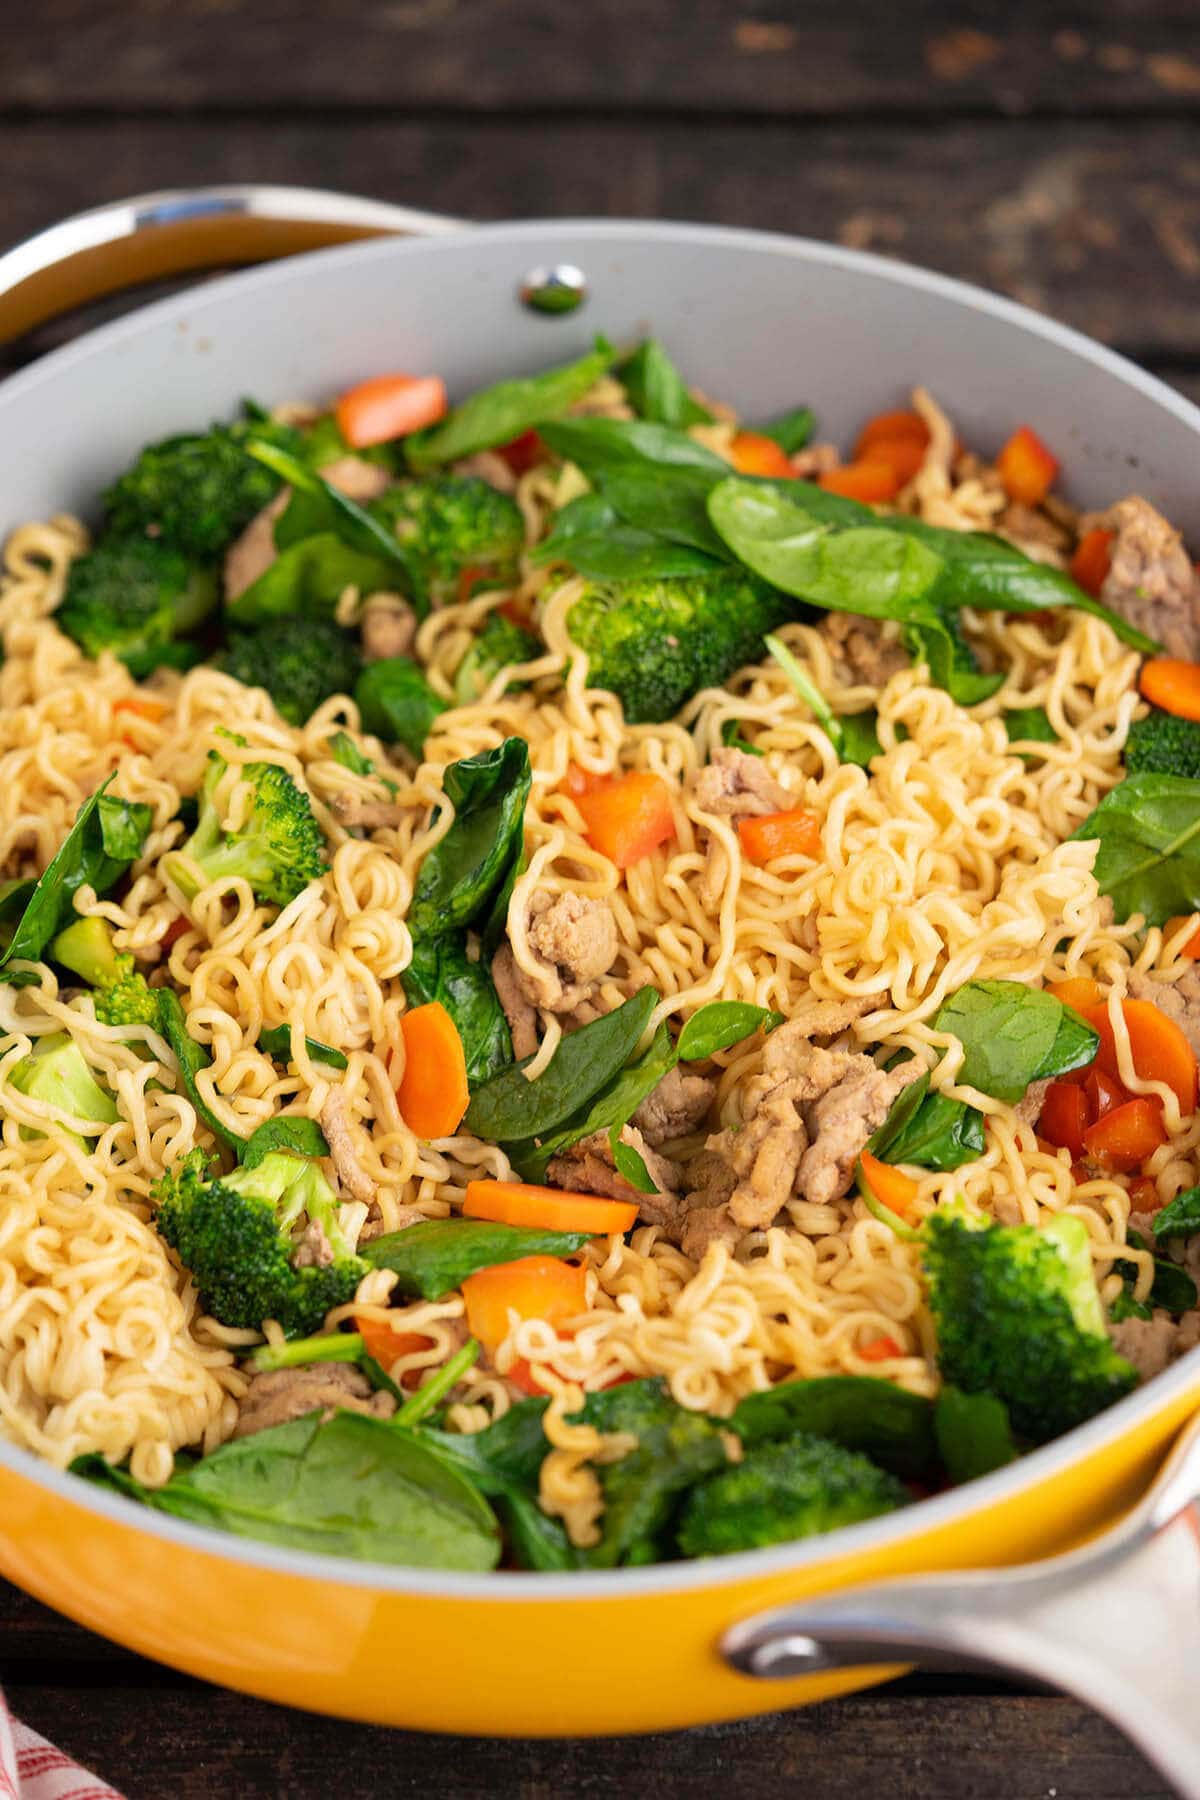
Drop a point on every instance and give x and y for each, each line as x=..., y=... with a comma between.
x=763, y=322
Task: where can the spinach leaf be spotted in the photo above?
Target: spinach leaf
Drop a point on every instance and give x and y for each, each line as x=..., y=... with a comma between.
x=862, y=1412
x=503, y=1460
x=656, y=390
x=275, y=1041
x=396, y=703
x=498, y=414
x=442, y=970
x=508, y=1108
x=860, y=738
x=1171, y=1288
x=720, y=1025
x=612, y=1107
x=930, y=1130
x=461, y=874
x=335, y=511
x=1180, y=1217
x=605, y=447
x=1149, y=856
x=973, y=1434
x=936, y=640
x=348, y=1486
x=106, y=837
x=309, y=577
x=192, y=1058
x=866, y=569
x=675, y=1448
x=1029, y=725
x=345, y=751
x=1013, y=1035
x=299, y=1137
x=630, y=1164
x=589, y=537
x=433, y=1259
x=790, y=430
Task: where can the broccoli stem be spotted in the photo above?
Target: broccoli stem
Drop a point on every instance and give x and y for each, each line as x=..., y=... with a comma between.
x=327, y=1346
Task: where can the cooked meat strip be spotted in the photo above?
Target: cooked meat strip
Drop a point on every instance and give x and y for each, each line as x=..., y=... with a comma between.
x=375, y=1227
x=1029, y=1107
x=284, y=1394
x=853, y=1103
x=520, y=1012
x=490, y=467
x=816, y=459
x=1032, y=531
x=1151, y=1344
x=1179, y=999
x=679, y=1104
x=574, y=943
x=821, y=1019
x=350, y=1172
x=314, y=1250
x=356, y=478
x=866, y=653
x=706, y=1217
x=588, y=1167
x=735, y=785
x=389, y=626
x=1151, y=581
x=353, y=809
x=252, y=554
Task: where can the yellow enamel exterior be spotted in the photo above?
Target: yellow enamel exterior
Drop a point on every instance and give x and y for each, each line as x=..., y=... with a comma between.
x=631, y=1652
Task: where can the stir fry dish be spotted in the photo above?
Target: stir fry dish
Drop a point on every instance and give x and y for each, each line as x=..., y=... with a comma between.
x=585, y=981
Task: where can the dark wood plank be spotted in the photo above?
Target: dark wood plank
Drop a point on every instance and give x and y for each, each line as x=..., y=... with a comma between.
x=534, y=56
x=194, y=1743
x=1101, y=227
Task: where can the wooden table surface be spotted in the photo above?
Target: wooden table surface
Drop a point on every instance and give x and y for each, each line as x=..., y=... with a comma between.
x=1048, y=152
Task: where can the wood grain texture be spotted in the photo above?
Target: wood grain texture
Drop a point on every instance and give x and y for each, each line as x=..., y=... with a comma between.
x=761, y=57
x=1100, y=225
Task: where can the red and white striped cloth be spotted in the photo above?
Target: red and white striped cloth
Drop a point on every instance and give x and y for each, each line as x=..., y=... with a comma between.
x=32, y=1769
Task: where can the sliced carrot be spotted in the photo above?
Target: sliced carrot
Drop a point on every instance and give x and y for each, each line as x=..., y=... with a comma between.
x=752, y=453
x=891, y=1185
x=1078, y=992
x=793, y=833
x=523, y=452
x=1092, y=559
x=1173, y=684
x=897, y=427
x=881, y=1349
x=433, y=1092
x=389, y=406
x=1125, y=1137
x=1159, y=1048
x=1064, y=1117
x=628, y=818
x=1103, y=1093
x=1026, y=467
x=533, y=1287
x=1143, y=1195
x=547, y=1209
x=144, y=705
x=1192, y=946
x=870, y=481
x=385, y=1342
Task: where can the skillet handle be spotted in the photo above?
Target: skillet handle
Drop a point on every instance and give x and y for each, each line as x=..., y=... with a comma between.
x=1116, y=1624
x=153, y=235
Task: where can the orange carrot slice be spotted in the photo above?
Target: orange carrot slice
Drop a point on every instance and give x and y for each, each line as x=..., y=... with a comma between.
x=433, y=1092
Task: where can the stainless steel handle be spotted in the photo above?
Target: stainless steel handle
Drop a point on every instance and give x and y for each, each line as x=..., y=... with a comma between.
x=153, y=235
x=1117, y=1623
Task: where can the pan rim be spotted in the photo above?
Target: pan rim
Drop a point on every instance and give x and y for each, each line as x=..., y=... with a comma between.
x=502, y=1588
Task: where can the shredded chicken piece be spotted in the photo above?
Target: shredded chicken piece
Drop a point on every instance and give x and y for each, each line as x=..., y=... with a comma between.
x=705, y=1215
x=285, y=1394
x=356, y=478
x=816, y=459
x=518, y=1009
x=314, y=1250
x=490, y=467
x=1154, y=1343
x=1029, y=1107
x=389, y=626
x=350, y=1172
x=1151, y=581
x=866, y=652
x=588, y=1167
x=735, y=785
x=679, y=1104
x=353, y=809
x=375, y=1225
x=573, y=941
x=252, y=554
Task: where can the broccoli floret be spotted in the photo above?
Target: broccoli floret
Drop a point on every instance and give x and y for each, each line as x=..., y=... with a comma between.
x=235, y=1236
x=300, y=662
x=196, y=493
x=136, y=597
x=278, y=848
x=654, y=643
x=1161, y=744
x=451, y=524
x=795, y=1488
x=1018, y=1315
x=55, y=1073
x=498, y=644
x=122, y=996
